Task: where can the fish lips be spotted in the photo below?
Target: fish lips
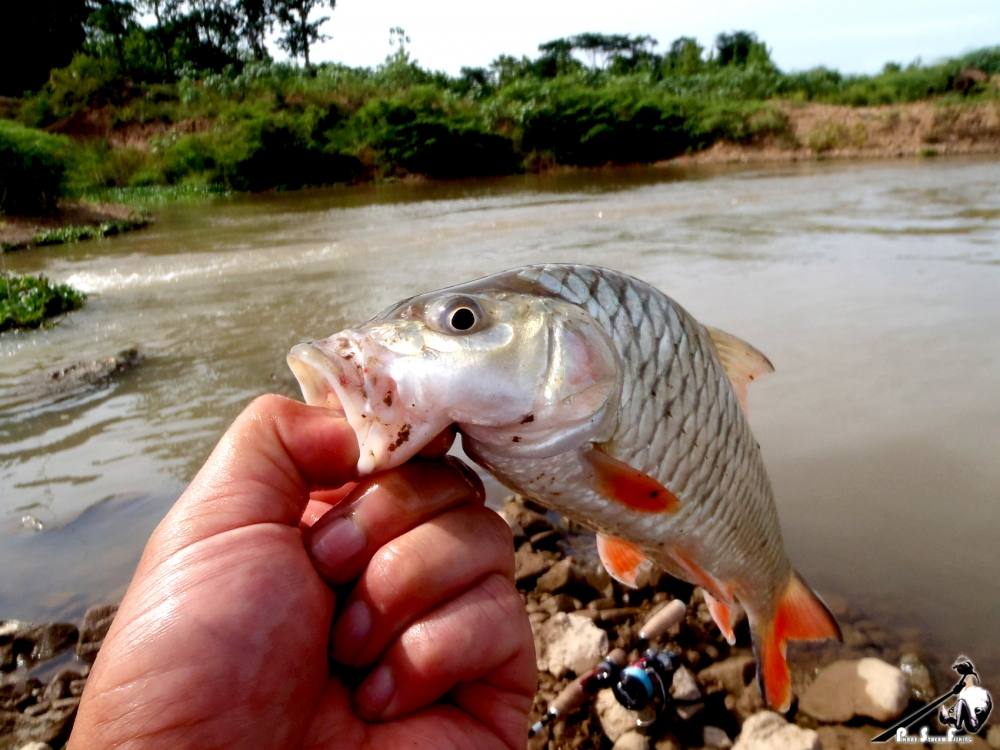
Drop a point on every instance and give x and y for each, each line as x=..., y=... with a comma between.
x=339, y=373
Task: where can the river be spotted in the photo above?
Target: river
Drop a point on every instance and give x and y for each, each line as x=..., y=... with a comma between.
x=874, y=288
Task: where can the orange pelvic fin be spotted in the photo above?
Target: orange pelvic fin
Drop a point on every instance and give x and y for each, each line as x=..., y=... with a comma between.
x=618, y=481
x=623, y=560
x=802, y=616
x=723, y=617
x=718, y=595
x=742, y=362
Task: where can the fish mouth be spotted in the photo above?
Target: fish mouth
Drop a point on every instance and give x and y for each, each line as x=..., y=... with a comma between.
x=343, y=374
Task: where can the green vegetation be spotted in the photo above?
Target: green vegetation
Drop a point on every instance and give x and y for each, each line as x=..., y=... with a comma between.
x=32, y=168
x=74, y=233
x=27, y=301
x=192, y=102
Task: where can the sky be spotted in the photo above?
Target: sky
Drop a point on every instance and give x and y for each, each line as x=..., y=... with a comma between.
x=851, y=36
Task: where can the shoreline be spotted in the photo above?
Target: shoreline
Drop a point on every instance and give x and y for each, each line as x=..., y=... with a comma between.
x=814, y=132
x=578, y=616
x=72, y=221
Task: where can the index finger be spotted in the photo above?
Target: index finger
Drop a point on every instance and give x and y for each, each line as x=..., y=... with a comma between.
x=263, y=469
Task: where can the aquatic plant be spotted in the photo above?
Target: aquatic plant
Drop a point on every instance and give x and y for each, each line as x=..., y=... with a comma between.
x=28, y=301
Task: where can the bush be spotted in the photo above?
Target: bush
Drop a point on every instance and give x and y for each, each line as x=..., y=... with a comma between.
x=419, y=135
x=26, y=301
x=32, y=169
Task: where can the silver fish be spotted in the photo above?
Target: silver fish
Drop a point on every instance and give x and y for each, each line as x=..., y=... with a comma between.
x=599, y=396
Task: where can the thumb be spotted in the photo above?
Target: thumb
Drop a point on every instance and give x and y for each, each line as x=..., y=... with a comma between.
x=262, y=470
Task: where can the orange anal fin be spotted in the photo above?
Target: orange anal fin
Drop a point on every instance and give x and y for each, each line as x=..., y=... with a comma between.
x=623, y=560
x=802, y=616
x=723, y=617
x=718, y=596
x=618, y=481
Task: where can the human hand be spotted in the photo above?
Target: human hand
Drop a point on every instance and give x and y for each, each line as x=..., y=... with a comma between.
x=224, y=635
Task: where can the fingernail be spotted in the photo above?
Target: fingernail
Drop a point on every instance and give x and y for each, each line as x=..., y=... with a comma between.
x=469, y=475
x=376, y=692
x=334, y=546
x=354, y=626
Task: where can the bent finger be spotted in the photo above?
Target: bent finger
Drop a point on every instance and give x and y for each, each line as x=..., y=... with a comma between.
x=384, y=506
x=418, y=572
x=262, y=470
x=480, y=639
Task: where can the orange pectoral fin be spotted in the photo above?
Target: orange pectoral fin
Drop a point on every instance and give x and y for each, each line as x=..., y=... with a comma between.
x=618, y=481
x=802, y=616
x=623, y=560
x=723, y=617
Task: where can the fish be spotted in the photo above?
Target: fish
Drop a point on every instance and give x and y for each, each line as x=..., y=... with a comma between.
x=602, y=398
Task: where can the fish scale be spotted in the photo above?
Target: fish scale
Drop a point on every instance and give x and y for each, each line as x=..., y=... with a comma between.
x=695, y=397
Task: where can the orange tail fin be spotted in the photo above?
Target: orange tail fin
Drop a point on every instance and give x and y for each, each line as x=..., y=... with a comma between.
x=801, y=616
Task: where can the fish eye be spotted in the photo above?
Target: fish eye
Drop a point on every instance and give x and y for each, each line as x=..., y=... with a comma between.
x=462, y=319
x=461, y=315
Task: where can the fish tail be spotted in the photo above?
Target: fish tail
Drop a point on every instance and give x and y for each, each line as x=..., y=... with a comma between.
x=800, y=616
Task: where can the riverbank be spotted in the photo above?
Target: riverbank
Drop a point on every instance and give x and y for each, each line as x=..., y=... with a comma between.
x=70, y=222
x=825, y=131
x=578, y=616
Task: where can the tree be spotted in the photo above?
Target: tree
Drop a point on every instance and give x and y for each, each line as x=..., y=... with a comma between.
x=299, y=33
x=740, y=48
x=258, y=19
x=109, y=22
x=685, y=56
x=40, y=35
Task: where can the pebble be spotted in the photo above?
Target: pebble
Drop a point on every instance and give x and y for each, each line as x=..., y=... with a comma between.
x=731, y=675
x=616, y=720
x=569, y=643
x=845, y=738
x=993, y=736
x=35, y=746
x=685, y=688
x=557, y=578
x=715, y=737
x=631, y=741
x=863, y=687
x=95, y=626
x=528, y=564
x=921, y=682
x=767, y=730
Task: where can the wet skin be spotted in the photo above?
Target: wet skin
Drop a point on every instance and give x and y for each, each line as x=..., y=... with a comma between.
x=272, y=560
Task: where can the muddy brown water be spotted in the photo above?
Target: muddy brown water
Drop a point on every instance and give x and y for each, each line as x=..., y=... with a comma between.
x=874, y=288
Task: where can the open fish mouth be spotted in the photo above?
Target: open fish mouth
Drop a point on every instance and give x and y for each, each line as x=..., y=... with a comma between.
x=315, y=376
x=337, y=373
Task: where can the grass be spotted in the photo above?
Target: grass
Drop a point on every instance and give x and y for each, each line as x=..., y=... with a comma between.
x=60, y=235
x=29, y=301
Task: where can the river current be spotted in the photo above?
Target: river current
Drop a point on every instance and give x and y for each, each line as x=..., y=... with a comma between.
x=874, y=288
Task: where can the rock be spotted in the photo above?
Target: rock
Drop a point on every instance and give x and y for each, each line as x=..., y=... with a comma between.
x=631, y=741
x=60, y=686
x=921, y=682
x=993, y=736
x=767, y=730
x=863, y=687
x=44, y=723
x=95, y=626
x=560, y=576
x=616, y=720
x=746, y=703
x=845, y=738
x=33, y=642
x=668, y=742
x=523, y=519
x=684, y=686
x=35, y=746
x=731, y=675
x=715, y=737
x=569, y=643
x=528, y=564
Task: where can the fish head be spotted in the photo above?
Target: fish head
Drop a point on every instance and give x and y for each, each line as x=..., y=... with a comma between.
x=521, y=373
